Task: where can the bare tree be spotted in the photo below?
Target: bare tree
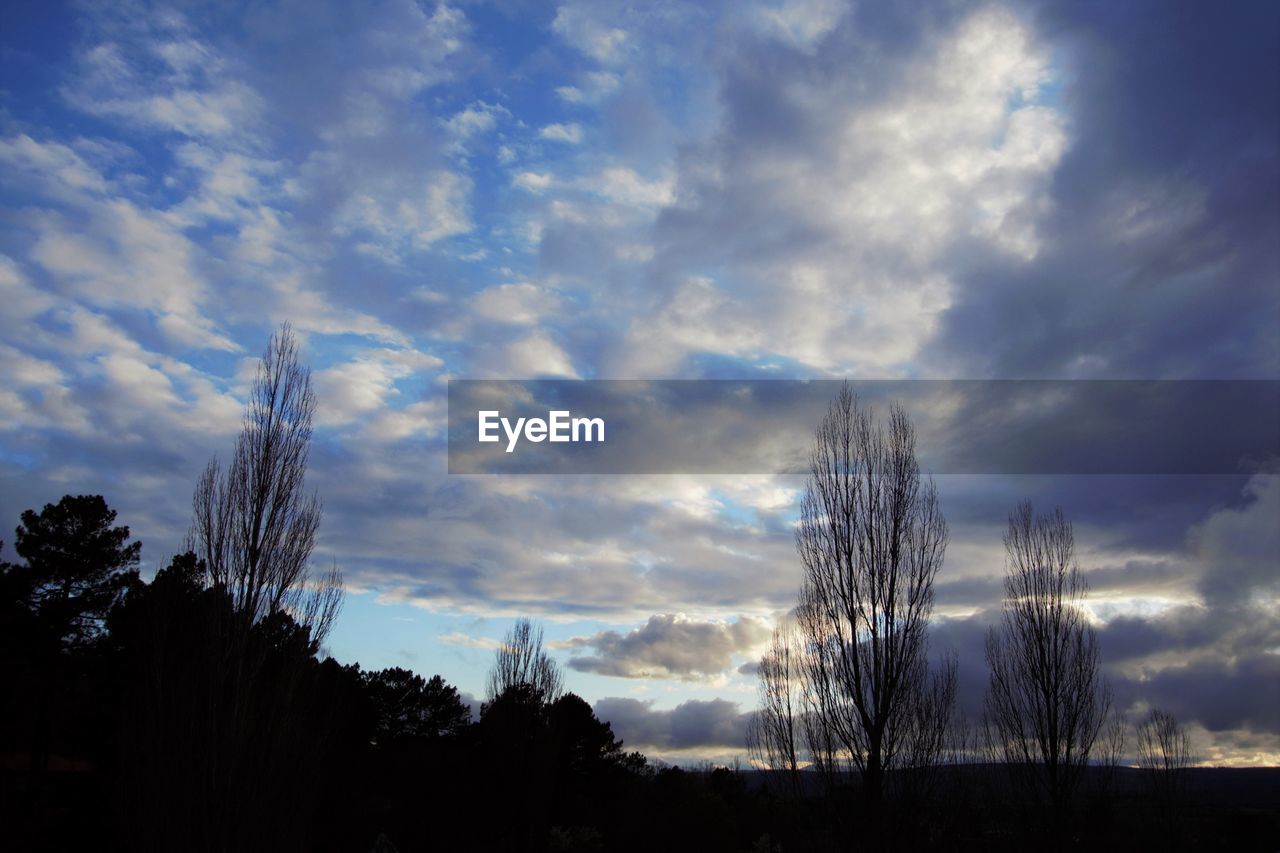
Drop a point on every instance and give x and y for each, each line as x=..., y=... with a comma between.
x=871, y=540
x=1046, y=700
x=1109, y=751
x=232, y=719
x=932, y=733
x=775, y=738
x=254, y=524
x=521, y=662
x=1164, y=752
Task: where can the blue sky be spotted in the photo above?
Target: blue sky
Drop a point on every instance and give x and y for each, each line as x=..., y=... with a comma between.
x=800, y=189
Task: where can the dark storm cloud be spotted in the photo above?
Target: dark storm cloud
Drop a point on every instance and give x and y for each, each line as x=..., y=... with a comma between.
x=1210, y=658
x=1160, y=258
x=1220, y=695
x=690, y=725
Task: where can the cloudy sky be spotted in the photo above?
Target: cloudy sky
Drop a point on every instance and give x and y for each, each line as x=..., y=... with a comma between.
x=958, y=190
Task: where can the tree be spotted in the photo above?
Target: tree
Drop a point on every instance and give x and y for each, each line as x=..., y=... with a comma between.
x=521, y=662
x=1046, y=701
x=1164, y=752
x=77, y=566
x=587, y=749
x=871, y=540
x=775, y=737
x=234, y=681
x=407, y=705
x=230, y=733
x=253, y=523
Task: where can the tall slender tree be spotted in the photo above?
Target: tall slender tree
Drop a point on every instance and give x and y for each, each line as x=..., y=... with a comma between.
x=1047, y=700
x=775, y=737
x=254, y=523
x=871, y=540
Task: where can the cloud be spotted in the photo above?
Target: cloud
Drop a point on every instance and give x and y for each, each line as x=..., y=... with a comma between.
x=670, y=646
x=774, y=189
x=570, y=133
x=105, y=249
x=533, y=181
x=695, y=724
x=593, y=88
x=473, y=121
x=799, y=23
x=623, y=186
x=357, y=389
x=830, y=219
x=537, y=355
x=409, y=216
x=1239, y=547
x=582, y=27
x=1168, y=221
x=457, y=638
x=518, y=304
x=192, y=91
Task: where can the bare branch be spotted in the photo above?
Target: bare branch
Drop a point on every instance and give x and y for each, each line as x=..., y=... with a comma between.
x=521, y=662
x=253, y=523
x=1046, y=700
x=871, y=540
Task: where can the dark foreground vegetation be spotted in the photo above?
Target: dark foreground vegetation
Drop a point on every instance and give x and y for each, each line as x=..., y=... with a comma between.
x=195, y=711
x=170, y=724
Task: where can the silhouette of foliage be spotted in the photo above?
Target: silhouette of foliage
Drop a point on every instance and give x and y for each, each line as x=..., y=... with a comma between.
x=78, y=565
x=406, y=705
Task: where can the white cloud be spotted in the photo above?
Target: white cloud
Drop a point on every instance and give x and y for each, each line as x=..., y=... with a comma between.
x=594, y=87
x=570, y=133
x=670, y=646
x=400, y=217
x=477, y=119
x=354, y=390
x=457, y=638
x=534, y=182
x=582, y=27
x=536, y=355
x=622, y=185
x=837, y=239
x=799, y=23
x=520, y=304
x=196, y=97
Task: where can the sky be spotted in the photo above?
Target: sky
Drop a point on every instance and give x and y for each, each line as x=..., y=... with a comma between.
x=592, y=190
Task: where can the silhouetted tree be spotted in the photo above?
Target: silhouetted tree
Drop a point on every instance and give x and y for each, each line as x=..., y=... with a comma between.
x=222, y=656
x=587, y=746
x=253, y=524
x=407, y=705
x=775, y=736
x=77, y=566
x=227, y=732
x=1046, y=700
x=871, y=540
x=520, y=661
x=1164, y=752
